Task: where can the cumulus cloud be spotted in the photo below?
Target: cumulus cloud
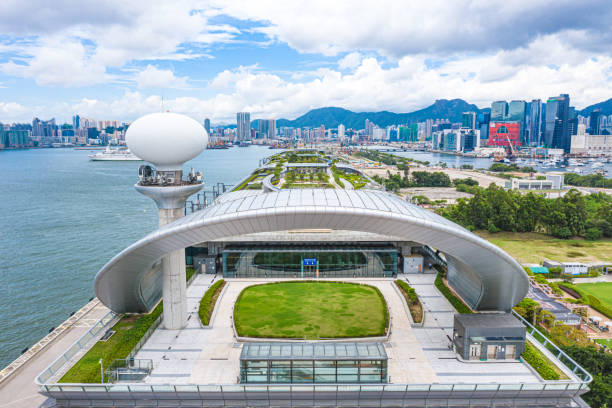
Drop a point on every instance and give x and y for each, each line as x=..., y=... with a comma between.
x=424, y=26
x=152, y=77
x=103, y=35
x=408, y=85
x=350, y=60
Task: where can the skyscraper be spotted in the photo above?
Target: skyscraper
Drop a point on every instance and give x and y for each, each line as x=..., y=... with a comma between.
x=535, y=123
x=517, y=112
x=594, y=122
x=76, y=119
x=499, y=111
x=207, y=125
x=267, y=128
x=341, y=132
x=556, y=132
x=243, y=128
x=468, y=120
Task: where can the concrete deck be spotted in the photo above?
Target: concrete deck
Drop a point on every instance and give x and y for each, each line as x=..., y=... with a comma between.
x=197, y=355
x=435, y=339
x=19, y=390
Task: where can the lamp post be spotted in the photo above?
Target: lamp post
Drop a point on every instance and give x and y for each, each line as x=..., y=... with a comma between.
x=101, y=371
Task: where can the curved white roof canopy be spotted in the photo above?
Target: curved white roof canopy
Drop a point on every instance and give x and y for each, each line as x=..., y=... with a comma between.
x=484, y=275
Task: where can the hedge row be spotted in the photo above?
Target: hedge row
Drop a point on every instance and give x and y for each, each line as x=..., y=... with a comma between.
x=416, y=309
x=539, y=363
x=454, y=300
x=207, y=303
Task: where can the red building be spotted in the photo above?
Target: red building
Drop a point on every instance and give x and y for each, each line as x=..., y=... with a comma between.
x=504, y=133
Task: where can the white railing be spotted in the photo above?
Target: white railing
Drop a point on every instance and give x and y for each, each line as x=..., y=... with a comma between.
x=77, y=346
x=563, y=358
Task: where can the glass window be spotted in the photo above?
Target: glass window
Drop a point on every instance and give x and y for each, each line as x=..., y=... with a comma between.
x=280, y=371
x=348, y=371
x=257, y=371
x=302, y=372
x=325, y=371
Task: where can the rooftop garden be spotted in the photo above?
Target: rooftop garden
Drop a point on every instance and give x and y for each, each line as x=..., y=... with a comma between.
x=311, y=310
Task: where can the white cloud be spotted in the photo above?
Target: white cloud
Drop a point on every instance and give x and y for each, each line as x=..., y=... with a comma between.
x=74, y=46
x=151, y=77
x=350, y=60
x=372, y=85
x=399, y=28
x=12, y=111
x=56, y=61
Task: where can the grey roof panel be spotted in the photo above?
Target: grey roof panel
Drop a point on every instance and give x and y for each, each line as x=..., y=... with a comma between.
x=471, y=258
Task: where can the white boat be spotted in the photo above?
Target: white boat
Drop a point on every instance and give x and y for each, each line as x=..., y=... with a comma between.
x=110, y=154
x=574, y=162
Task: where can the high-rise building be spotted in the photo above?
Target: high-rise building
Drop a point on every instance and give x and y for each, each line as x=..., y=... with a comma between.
x=243, y=126
x=341, y=130
x=517, y=112
x=499, y=111
x=572, y=121
x=369, y=128
x=535, y=123
x=207, y=125
x=267, y=128
x=595, y=122
x=556, y=132
x=76, y=122
x=468, y=120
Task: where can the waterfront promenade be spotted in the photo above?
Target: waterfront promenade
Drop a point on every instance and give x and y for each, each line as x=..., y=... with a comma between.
x=18, y=390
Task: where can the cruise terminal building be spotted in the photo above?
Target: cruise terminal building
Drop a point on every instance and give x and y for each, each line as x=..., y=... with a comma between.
x=252, y=236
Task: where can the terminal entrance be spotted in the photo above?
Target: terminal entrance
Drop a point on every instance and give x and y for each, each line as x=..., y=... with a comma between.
x=309, y=262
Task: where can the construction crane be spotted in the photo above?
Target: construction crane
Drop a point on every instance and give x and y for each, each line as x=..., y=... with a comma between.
x=513, y=153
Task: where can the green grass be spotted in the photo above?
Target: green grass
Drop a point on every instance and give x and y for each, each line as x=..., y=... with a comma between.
x=454, y=300
x=208, y=301
x=604, y=342
x=311, y=310
x=546, y=368
x=597, y=295
x=531, y=247
x=128, y=332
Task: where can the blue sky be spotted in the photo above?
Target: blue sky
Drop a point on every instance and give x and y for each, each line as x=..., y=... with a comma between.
x=117, y=60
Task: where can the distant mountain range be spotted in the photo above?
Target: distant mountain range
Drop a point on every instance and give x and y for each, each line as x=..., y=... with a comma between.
x=605, y=106
x=331, y=117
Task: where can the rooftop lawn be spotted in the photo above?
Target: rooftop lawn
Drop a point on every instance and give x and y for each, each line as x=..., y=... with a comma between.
x=310, y=310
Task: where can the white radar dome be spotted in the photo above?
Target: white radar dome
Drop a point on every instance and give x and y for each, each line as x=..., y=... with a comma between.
x=166, y=139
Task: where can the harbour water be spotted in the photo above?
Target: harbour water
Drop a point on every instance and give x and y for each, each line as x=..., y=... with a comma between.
x=62, y=217
x=484, y=163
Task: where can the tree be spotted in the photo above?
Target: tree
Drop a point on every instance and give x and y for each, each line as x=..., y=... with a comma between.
x=593, y=234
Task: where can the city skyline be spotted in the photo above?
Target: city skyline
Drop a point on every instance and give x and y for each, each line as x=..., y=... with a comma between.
x=211, y=60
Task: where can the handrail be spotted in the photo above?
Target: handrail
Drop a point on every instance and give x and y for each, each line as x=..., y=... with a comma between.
x=327, y=388
x=563, y=358
x=59, y=362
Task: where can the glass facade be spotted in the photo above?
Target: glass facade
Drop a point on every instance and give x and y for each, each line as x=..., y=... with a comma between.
x=309, y=261
x=309, y=363
x=313, y=371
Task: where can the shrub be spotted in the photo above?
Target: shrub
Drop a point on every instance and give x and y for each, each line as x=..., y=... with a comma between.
x=536, y=360
x=454, y=300
x=593, y=234
x=207, y=303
